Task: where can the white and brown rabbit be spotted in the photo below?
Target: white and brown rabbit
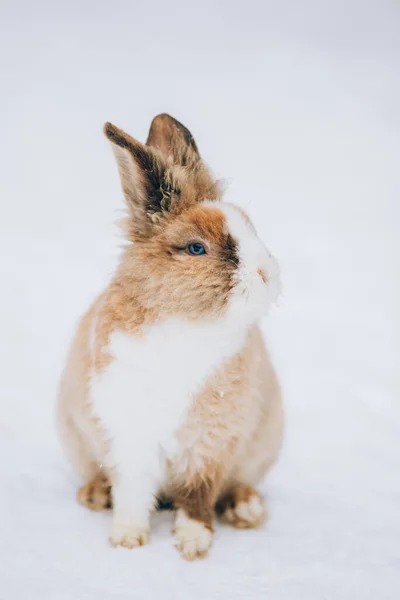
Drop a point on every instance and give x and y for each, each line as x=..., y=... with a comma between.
x=168, y=394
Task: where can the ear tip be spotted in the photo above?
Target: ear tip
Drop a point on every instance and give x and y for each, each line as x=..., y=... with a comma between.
x=163, y=117
x=109, y=130
x=166, y=122
x=116, y=135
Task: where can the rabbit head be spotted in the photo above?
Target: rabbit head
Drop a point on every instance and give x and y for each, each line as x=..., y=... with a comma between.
x=192, y=255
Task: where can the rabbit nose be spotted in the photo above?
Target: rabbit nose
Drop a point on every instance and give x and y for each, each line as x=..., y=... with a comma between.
x=262, y=274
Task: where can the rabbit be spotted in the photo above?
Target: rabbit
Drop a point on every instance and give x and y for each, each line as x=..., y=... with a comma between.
x=168, y=397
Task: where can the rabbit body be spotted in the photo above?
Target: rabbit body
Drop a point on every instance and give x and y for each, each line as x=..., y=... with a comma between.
x=168, y=392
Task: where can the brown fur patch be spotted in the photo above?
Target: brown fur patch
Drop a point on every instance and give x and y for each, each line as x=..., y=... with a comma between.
x=208, y=224
x=96, y=495
x=173, y=139
x=158, y=278
x=231, y=498
x=197, y=497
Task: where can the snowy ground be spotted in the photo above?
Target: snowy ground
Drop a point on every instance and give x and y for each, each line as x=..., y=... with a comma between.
x=298, y=105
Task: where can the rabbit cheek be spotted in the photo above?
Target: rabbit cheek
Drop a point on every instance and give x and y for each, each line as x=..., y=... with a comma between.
x=256, y=282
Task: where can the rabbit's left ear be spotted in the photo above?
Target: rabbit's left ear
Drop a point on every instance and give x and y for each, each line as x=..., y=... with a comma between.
x=142, y=172
x=174, y=140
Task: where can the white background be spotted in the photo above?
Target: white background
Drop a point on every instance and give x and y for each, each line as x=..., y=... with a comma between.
x=297, y=105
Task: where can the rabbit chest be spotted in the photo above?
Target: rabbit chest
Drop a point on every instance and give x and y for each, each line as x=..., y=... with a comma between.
x=143, y=396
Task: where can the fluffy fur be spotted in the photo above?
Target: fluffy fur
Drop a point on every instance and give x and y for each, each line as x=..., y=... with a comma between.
x=168, y=394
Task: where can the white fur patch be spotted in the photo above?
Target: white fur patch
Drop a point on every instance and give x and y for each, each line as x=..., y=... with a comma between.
x=193, y=537
x=252, y=295
x=250, y=513
x=127, y=535
x=142, y=398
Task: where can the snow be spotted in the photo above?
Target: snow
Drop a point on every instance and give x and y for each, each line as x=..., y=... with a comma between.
x=297, y=104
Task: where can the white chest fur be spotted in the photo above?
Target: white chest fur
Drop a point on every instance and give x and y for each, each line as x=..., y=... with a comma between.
x=143, y=395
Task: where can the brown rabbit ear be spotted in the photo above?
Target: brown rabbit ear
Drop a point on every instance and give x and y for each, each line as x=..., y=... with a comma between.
x=173, y=140
x=142, y=172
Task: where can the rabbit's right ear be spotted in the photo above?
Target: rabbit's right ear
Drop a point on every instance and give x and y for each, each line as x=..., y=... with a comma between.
x=142, y=173
x=174, y=140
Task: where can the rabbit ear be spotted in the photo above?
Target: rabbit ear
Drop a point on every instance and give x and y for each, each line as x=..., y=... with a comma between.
x=142, y=172
x=173, y=140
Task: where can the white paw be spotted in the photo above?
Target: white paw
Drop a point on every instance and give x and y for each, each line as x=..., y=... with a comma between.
x=194, y=537
x=128, y=536
x=250, y=513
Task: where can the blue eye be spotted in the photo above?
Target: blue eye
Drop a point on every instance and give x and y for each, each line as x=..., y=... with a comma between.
x=196, y=249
